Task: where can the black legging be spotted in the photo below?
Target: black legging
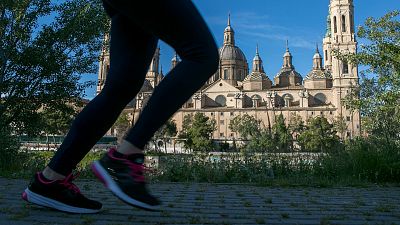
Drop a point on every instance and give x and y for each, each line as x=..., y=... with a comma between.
x=135, y=30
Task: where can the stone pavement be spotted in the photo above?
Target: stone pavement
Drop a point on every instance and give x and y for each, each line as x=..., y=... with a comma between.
x=218, y=204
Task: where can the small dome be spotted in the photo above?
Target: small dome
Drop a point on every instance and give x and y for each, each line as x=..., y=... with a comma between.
x=146, y=86
x=229, y=29
x=287, y=54
x=256, y=76
x=257, y=58
x=317, y=56
x=228, y=52
x=285, y=72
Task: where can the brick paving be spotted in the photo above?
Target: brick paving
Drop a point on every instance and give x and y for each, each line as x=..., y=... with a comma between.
x=218, y=204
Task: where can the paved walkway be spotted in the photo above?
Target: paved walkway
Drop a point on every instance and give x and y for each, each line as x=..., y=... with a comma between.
x=218, y=204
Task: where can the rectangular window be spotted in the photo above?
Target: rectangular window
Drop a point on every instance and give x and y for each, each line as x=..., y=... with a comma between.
x=326, y=55
x=343, y=23
x=312, y=113
x=225, y=74
x=221, y=134
x=331, y=112
x=345, y=68
x=322, y=113
x=348, y=118
x=222, y=113
x=334, y=25
x=212, y=114
x=232, y=134
x=232, y=113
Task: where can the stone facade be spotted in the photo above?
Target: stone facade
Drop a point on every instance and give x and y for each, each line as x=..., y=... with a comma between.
x=233, y=90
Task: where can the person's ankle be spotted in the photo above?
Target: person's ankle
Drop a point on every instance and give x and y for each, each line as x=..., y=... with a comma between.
x=126, y=148
x=50, y=174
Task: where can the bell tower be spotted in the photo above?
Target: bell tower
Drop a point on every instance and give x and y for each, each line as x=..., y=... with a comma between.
x=341, y=37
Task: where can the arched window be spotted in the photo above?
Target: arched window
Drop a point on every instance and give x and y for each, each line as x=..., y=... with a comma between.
x=287, y=99
x=343, y=23
x=256, y=100
x=320, y=99
x=334, y=25
x=220, y=100
x=345, y=68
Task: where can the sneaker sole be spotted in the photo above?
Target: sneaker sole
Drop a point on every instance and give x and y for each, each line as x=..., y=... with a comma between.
x=37, y=199
x=107, y=180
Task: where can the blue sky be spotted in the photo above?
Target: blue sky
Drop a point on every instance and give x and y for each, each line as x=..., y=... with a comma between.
x=270, y=23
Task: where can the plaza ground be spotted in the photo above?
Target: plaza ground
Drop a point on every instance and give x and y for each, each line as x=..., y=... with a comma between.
x=195, y=203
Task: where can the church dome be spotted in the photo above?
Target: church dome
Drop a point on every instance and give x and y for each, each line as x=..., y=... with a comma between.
x=286, y=72
x=229, y=52
x=256, y=76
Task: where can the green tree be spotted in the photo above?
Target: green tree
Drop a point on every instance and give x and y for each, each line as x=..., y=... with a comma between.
x=247, y=126
x=197, y=131
x=296, y=127
x=339, y=124
x=264, y=142
x=166, y=132
x=121, y=125
x=41, y=62
x=379, y=92
x=281, y=134
x=319, y=136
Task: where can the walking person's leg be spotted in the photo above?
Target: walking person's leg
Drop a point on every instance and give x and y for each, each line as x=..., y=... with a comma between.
x=178, y=23
x=131, y=52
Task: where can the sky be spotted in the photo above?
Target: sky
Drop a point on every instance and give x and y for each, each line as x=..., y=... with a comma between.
x=269, y=24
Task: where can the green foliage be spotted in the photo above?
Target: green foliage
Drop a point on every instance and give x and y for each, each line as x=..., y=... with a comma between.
x=57, y=121
x=121, y=125
x=281, y=134
x=197, y=130
x=339, y=124
x=166, y=132
x=363, y=159
x=264, y=142
x=8, y=150
x=247, y=126
x=40, y=64
x=379, y=93
x=319, y=136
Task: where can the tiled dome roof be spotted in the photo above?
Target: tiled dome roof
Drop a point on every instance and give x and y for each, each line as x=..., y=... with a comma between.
x=229, y=52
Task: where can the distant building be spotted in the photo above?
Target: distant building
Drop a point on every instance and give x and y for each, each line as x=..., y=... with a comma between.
x=233, y=90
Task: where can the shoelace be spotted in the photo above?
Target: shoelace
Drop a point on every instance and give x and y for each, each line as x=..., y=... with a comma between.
x=67, y=182
x=137, y=171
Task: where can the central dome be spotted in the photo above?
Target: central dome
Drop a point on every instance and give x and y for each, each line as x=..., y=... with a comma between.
x=230, y=52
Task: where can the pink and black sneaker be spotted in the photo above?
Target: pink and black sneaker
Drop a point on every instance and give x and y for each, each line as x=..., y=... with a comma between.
x=124, y=176
x=61, y=195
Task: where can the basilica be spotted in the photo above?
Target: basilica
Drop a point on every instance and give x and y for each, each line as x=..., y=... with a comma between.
x=237, y=88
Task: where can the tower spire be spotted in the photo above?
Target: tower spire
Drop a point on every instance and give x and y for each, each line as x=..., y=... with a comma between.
x=257, y=62
x=287, y=57
x=229, y=34
x=287, y=45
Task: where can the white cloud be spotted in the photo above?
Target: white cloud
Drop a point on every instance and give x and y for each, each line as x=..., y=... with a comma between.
x=253, y=25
